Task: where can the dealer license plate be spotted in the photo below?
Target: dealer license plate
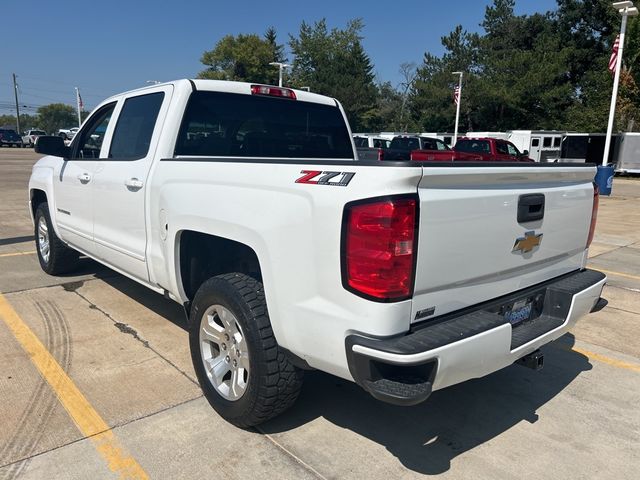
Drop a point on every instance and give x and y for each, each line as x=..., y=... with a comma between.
x=519, y=312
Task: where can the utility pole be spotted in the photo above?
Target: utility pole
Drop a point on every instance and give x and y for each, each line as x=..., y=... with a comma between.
x=15, y=91
x=79, y=106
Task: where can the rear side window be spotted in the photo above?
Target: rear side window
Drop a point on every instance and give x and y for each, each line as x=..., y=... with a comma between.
x=556, y=142
x=473, y=146
x=237, y=125
x=132, y=135
x=546, y=142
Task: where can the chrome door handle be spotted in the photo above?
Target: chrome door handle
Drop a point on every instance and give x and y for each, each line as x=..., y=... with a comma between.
x=84, y=178
x=134, y=184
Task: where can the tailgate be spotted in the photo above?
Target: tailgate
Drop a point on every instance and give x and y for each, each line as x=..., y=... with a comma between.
x=469, y=229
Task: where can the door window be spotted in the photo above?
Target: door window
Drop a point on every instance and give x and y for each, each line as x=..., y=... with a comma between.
x=502, y=148
x=535, y=142
x=136, y=122
x=89, y=142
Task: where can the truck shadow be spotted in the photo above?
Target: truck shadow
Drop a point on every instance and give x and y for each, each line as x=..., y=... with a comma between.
x=427, y=437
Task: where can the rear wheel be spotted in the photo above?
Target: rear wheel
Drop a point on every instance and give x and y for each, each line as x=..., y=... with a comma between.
x=244, y=374
x=54, y=256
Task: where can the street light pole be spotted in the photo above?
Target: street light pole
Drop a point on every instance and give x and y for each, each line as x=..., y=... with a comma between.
x=281, y=66
x=455, y=133
x=626, y=9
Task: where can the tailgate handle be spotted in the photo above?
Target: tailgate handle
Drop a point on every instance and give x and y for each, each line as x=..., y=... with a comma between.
x=530, y=207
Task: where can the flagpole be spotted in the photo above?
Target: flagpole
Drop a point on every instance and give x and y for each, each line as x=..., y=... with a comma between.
x=616, y=81
x=78, y=106
x=455, y=133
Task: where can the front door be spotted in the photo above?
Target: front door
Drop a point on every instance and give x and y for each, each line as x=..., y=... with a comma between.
x=120, y=189
x=74, y=179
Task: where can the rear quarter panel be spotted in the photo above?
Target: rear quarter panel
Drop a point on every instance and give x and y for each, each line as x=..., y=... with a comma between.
x=295, y=230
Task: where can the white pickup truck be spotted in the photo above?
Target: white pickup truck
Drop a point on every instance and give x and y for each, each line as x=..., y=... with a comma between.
x=246, y=204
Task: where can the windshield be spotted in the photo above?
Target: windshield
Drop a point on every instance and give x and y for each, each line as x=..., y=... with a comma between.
x=37, y=132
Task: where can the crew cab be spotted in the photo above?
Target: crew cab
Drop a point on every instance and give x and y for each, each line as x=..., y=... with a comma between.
x=488, y=149
x=246, y=204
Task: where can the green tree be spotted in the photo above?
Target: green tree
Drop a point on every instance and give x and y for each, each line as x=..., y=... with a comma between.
x=243, y=58
x=333, y=62
x=55, y=116
x=431, y=96
x=26, y=121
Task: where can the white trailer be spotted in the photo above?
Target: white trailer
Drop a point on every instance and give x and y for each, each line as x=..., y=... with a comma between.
x=627, y=153
x=500, y=135
x=542, y=145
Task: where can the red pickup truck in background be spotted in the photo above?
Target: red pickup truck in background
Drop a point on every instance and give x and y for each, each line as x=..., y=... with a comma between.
x=474, y=150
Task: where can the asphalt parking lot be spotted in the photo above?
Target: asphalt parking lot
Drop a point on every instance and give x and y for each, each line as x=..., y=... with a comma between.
x=96, y=382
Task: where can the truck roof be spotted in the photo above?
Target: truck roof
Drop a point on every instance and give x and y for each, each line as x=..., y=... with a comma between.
x=233, y=87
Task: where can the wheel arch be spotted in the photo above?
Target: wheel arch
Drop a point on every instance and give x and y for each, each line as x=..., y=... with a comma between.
x=200, y=256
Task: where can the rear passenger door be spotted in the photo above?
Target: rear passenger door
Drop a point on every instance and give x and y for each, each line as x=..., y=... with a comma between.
x=120, y=188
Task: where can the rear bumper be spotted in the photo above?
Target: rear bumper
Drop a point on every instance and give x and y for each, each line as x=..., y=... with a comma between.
x=470, y=343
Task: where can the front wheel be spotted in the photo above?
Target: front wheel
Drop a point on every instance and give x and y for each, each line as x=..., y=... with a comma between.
x=244, y=374
x=54, y=256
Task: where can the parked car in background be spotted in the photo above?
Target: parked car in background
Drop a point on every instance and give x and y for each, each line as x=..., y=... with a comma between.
x=30, y=136
x=370, y=147
x=491, y=150
x=10, y=138
x=68, y=133
x=370, y=141
x=402, y=146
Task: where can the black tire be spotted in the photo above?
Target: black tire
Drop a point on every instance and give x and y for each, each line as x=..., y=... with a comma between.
x=273, y=382
x=62, y=259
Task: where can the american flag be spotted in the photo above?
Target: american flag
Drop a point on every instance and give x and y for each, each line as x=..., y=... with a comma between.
x=456, y=94
x=80, y=103
x=613, y=61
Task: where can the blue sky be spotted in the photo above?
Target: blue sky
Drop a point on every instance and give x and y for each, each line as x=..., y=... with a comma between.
x=113, y=46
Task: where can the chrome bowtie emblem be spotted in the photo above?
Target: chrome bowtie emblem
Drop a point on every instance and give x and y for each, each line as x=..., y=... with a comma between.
x=527, y=243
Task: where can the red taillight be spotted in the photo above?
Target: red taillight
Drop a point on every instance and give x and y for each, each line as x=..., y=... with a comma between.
x=379, y=248
x=594, y=213
x=273, y=91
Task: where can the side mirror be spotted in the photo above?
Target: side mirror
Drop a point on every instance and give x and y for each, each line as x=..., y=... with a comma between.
x=52, y=145
x=525, y=153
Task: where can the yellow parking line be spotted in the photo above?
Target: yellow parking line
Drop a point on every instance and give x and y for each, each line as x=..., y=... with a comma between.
x=635, y=367
x=15, y=254
x=83, y=414
x=620, y=274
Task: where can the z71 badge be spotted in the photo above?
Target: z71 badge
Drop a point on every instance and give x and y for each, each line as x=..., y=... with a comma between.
x=318, y=177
